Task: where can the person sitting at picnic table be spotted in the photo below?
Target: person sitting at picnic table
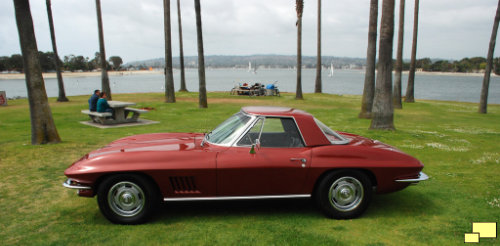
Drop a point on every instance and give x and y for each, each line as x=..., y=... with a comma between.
x=93, y=100
x=102, y=104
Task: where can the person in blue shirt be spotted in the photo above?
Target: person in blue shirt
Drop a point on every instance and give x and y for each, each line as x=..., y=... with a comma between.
x=102, y=104
x=93, y=100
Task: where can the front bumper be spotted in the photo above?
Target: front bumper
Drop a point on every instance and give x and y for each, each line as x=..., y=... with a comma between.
x=72, y=184
x=421, y=177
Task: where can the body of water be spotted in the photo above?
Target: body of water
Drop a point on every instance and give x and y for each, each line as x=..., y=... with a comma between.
x=427, y=86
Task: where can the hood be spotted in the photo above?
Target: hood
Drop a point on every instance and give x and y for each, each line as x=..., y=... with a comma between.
x=152, y=142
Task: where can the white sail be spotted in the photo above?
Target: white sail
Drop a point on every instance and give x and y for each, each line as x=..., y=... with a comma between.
x=330, y=74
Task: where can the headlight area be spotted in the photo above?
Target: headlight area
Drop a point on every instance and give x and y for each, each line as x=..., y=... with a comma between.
x=82, y=189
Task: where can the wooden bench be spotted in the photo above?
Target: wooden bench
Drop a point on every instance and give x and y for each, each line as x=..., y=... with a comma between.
x=101, y=118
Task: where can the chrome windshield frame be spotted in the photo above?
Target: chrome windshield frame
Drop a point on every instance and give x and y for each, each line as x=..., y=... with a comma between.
x=239, y=133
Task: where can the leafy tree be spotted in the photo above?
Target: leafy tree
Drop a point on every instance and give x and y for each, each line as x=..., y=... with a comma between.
x=371, y=52
x=383, y=111
x=43, y=129
x=496, y=66
x=116, y=61
x=16, y=63
x=424, y=64
x=4, y=63
x=47, y=62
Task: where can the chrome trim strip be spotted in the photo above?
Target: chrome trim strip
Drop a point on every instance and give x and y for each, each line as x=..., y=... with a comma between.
x=223, y=198
x=68, y=185
x=421, y=177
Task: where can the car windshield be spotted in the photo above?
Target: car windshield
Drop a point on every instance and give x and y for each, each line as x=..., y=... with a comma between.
x=230, y=129
x=332, y=136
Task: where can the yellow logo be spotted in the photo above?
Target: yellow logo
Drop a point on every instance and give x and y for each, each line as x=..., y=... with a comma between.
x=481, y=230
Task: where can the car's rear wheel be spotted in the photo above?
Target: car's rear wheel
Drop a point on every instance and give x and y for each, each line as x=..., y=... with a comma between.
x=127, y=198
x=344, y=194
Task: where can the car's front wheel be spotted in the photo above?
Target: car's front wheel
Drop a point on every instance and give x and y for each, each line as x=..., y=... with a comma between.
x=127, y=198
x=344, y=194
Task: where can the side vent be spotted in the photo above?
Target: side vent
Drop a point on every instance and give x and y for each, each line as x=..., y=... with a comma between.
x=184, y=185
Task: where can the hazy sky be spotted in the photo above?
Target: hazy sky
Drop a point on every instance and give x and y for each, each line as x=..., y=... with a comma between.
x=133, y=29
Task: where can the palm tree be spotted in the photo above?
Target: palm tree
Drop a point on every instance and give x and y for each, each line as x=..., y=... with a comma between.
x=371, y=52
x=410, y=89
x=62, y=94
x=317, y=88
x=489, y=60
x=169, y=75
x=102, y=52
x=383, y=111
x=299, y=7
x=201, y=57
x=43, y=129
x=181, y=49
x=396, y=100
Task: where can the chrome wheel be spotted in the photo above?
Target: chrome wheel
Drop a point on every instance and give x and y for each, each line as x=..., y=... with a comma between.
x=126, y=199
x=346, y=193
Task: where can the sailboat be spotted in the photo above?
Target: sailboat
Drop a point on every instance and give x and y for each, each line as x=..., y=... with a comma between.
x=330, y=74
x=250, y=69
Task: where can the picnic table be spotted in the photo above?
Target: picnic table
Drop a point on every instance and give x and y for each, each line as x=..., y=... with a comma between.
x=122, y=113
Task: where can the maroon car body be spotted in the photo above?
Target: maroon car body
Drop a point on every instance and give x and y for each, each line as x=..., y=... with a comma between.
x=260, y=152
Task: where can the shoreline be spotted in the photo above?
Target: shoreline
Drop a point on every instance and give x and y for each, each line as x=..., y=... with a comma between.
x=52, y=75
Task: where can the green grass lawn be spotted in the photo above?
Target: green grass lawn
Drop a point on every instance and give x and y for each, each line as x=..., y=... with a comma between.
x=459, y=147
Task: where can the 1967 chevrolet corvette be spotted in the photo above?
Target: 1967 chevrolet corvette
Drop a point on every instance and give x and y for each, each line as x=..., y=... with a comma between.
x=260, y=152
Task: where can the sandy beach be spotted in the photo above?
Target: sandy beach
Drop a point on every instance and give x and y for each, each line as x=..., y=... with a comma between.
x=142, y=72
x=80, y=74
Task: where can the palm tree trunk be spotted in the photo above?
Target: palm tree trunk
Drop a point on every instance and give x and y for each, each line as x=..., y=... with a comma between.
x=62, y=94
x=43, y=129
x=181, y=49
x=102, y=52
x=410, y=89
x=483, y=104
x=396, y=100
x=317, y=87
x=201, y=57
x=169, y=75
x=383, y=111
x=371, y=52
x=299, y=6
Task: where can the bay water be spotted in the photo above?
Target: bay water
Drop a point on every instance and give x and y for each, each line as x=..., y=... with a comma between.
x=464, y=88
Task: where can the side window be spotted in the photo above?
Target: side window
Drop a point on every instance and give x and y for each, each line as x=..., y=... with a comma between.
x=276, y=133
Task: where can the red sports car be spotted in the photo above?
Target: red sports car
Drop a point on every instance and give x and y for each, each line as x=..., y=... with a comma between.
x=260, y=152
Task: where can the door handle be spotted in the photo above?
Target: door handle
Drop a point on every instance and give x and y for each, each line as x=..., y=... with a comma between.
x=303, y=160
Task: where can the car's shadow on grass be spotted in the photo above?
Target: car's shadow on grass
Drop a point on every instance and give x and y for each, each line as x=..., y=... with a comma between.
x=178, y=211
x=401, y=204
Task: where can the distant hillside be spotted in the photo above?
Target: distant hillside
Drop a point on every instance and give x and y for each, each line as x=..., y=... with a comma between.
x=267, y=61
